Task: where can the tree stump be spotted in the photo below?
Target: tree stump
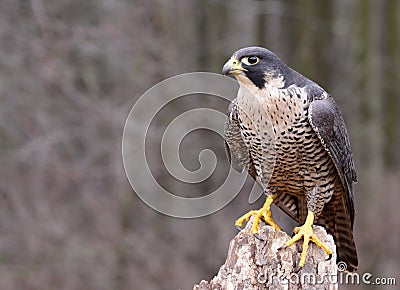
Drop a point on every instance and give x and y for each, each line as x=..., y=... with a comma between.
x=258, y=264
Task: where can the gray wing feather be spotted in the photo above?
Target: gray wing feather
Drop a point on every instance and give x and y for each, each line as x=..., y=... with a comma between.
x=327, y=121
x=237, y=152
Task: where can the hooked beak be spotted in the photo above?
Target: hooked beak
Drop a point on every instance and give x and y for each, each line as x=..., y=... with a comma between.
x=232, y=66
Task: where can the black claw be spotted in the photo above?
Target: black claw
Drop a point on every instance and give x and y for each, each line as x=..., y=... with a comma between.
x=297, y=269
x=239, y=229
x=258, y=237
x=282, y=248
x=329, y=257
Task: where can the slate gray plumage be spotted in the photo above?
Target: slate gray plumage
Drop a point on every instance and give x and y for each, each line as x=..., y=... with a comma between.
x=291, y=137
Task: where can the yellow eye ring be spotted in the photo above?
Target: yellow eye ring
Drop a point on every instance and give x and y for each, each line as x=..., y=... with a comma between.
x=250, y=60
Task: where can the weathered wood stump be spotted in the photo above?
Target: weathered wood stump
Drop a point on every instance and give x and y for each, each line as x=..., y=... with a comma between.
x=256, y=264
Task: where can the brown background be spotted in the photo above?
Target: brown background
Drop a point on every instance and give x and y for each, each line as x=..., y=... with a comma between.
x=71, y=70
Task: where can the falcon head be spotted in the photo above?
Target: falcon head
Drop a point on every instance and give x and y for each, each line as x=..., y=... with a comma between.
x=257, y=66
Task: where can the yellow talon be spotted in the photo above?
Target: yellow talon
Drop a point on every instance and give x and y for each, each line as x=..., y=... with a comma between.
x=306, y=232
x=263, y=213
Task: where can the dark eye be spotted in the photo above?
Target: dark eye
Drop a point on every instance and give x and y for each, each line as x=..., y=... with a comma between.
x=250, y=60
x=253, y=60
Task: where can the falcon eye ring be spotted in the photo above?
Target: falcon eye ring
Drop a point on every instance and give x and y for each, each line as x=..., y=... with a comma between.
x=250, y=60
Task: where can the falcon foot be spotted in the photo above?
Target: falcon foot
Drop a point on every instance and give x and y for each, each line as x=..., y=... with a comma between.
x=306, y=232
x=264, y=213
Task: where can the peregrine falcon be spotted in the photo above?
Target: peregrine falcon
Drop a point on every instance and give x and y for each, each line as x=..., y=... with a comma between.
x=290, y=135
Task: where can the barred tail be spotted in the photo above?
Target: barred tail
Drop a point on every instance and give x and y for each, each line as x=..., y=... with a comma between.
x=338, y=223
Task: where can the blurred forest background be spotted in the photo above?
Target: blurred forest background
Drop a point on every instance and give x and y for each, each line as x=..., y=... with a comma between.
x=70, y=72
